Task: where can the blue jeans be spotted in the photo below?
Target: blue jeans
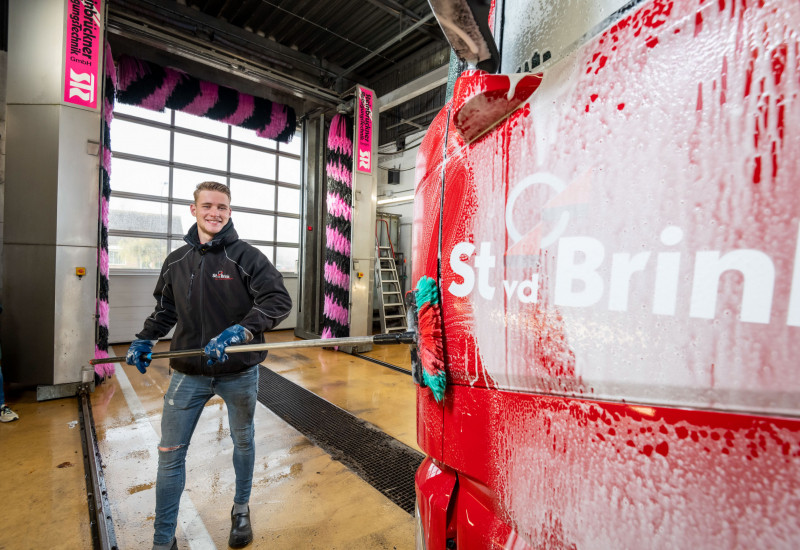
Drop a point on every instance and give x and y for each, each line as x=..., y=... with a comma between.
x=183, y=403
x=2, y=395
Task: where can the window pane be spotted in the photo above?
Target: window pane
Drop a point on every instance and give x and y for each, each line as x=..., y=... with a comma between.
x=142, y=112
x=288, y=200
x=286, y=259
x=175, y=244
x=257, y=227
x=249, y=136
x=252, y=163
x=139, y=177
x=267, y=251
x=136, y=215
x=182, y=219
x=201, y=124
x=138, y=139
x=252, y=194
x=203, y=153
x=288, y=229
x=184, y=182
x=294, y=145
x=136, y=253
x=289, y=170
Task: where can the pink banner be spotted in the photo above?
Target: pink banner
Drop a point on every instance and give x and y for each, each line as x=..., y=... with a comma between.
x=82, y=57
x=364, y=149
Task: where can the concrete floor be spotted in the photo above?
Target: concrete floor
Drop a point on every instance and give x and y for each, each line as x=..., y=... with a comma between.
x=42, y=484
x=301, y=497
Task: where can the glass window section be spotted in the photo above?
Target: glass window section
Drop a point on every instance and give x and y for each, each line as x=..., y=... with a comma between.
x=249, y=136
x=138, y=215
x=288, y=229
x=201, y=124
x=252, y=194
x=139, y=177
x=288, y=200
x=250, y=162
x=141, y=112
x=289, y=170
x=184, y=182
x=182, y=219
x=286, y=259
x=175, y=244
x=256, y=227
x=293, y=146
x=136, y=252
x=132, y=218
x=139, y=139
x=200, y=152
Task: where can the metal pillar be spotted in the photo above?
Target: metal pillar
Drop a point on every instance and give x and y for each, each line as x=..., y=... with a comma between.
x=365, y=199
x=312, y=253
x=51, y=193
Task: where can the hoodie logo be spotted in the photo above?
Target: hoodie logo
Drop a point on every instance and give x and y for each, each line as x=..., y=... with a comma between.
x=219, y=275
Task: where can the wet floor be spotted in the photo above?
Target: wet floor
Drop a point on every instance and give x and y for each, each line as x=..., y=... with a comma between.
x=301, y=497
x=42, y=485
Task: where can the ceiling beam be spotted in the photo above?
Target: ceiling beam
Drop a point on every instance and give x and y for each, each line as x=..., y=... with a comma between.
x=410, y=120
x=415, y=88
x=193, y=22
x=400, y=12
x=404, y=121
x=220, y=60
x=379, y=49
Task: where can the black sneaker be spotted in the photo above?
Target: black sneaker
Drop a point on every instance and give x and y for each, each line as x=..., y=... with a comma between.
x=241, y=532
x=173, y=546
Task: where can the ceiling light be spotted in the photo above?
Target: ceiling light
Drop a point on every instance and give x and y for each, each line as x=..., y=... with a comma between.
x=399, y=198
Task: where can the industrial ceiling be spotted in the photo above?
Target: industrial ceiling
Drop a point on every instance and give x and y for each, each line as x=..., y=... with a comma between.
x=307, y=53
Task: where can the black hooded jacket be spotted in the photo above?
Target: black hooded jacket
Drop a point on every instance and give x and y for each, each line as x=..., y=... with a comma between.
x=205, y=288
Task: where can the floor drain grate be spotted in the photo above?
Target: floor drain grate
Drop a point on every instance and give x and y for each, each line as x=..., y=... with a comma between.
x=379, y=459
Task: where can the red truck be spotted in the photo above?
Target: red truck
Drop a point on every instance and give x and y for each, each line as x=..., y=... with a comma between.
x=612, y=219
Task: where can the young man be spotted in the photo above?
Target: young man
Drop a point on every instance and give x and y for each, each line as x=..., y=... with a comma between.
x=217, y=291
x=6, y=414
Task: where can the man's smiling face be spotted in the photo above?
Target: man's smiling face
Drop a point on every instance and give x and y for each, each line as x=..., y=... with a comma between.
x=212, y=211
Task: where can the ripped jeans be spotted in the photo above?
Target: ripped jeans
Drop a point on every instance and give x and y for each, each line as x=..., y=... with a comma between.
x=183, y=403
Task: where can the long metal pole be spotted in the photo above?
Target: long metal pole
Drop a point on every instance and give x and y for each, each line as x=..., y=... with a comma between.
x=380, y=339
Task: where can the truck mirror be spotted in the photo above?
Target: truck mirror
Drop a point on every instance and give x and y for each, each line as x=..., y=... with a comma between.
x=465, y=24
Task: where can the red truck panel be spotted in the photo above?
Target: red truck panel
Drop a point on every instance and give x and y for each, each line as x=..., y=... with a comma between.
x=571, y=473
x=620, y=280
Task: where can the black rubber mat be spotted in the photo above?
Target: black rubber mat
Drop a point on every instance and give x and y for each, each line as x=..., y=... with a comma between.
x=379, y=459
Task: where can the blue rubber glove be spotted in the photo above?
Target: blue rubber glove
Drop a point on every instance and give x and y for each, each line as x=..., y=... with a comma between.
x=215, y=349
x=139, y=354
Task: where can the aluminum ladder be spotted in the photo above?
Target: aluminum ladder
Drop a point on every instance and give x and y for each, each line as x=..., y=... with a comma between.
x=390, y=294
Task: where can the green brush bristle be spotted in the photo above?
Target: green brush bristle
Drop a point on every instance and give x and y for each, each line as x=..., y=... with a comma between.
x=427, y=292
x=436, y=382
x=427, y=298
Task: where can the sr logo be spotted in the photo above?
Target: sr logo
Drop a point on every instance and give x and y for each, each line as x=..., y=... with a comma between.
x=364, y=160
x=81, y=85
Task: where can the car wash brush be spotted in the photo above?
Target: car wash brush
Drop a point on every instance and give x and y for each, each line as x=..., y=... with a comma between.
x=429, y=336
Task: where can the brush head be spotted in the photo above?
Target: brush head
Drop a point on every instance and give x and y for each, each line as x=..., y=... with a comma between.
x=102, y=370
x=429, y=339
x=340, y=139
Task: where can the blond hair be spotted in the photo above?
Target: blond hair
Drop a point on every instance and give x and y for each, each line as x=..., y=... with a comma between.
x=212, y=186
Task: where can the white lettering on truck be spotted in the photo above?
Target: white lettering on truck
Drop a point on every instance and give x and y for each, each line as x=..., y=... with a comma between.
x=579, y=283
